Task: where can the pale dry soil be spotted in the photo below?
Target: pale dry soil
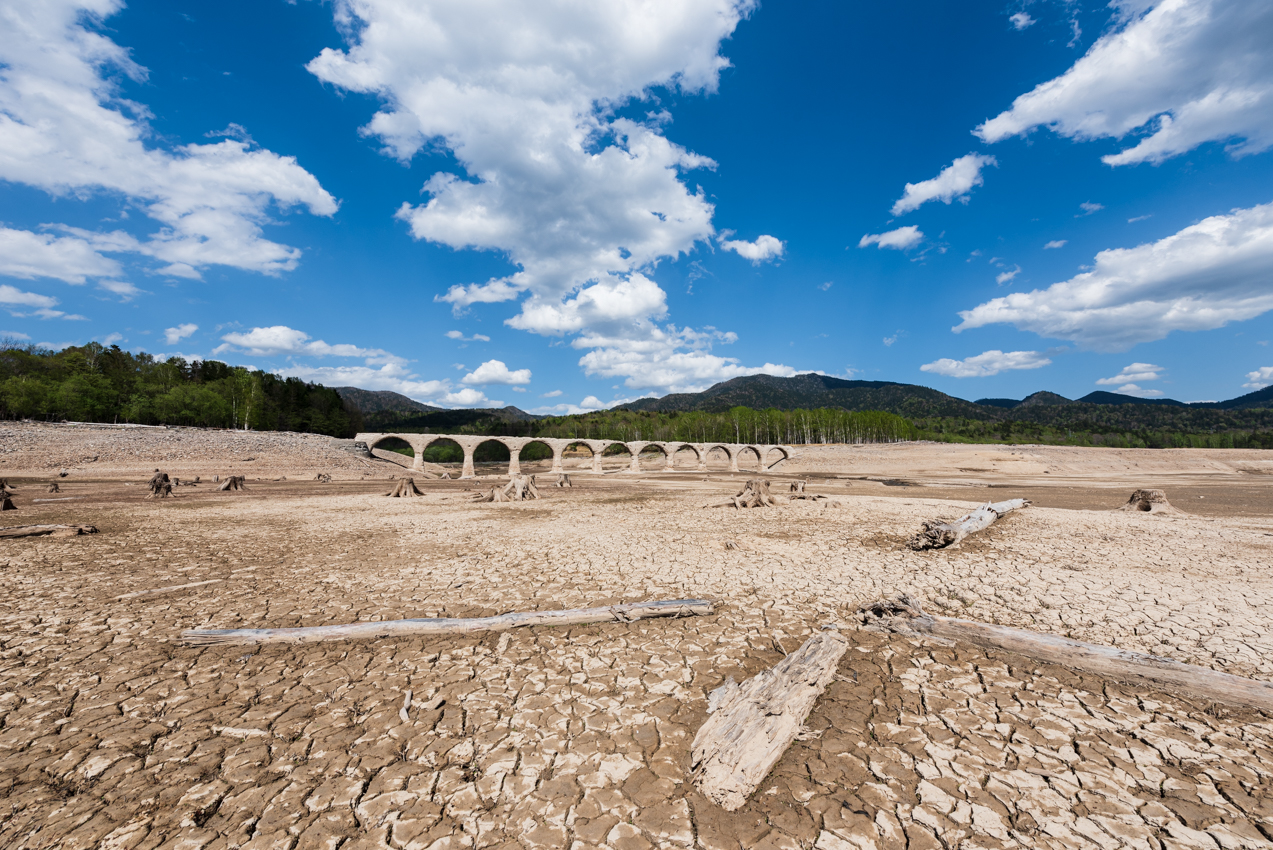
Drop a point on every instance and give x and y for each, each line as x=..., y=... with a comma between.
x=115, y=735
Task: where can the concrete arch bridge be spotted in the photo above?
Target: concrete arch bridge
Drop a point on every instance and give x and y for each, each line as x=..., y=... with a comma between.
x=758, y=456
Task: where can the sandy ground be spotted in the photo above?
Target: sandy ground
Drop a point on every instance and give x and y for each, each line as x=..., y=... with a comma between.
x=115, y=735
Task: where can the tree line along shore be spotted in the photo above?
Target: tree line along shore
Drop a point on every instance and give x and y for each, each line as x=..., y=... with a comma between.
x=97, y=383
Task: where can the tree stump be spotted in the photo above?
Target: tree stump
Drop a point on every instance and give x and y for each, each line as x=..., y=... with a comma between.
x=5, y=488
x=62, y=473
x=563, y=480
x=752, y=724
x=233, y=482
x=53, y=488
x=6, y=504
x=798, y=487
x=939, y=535
x=520, y=488
x=754, y=495
x=323, y=478
x=160, y=486
x=405, y=487
x=1150, y=501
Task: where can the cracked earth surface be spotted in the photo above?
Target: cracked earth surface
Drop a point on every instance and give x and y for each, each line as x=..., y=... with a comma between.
x=115, y=735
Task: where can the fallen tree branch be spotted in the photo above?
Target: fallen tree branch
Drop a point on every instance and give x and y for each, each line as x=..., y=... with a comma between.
x=904, y=615
x=939, y=535
x=156, y=590
x=46, y=530
x=752, y=724
x=624, y=613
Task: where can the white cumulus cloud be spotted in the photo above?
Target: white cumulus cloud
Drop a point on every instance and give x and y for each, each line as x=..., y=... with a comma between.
x=955, y=181
x=1207, y=275
x=1139, y=392
x=28, y=255
x=1134, y=372
x=1005, y=277
x=64, y=129
x=1173, y=75
x=496, y=372
x=986, y=364
x=15, y=300
x=172, y=336
x=765, y=247
x=1021, y=20
x=901, y=238
x=583, y=202
x=1260, y=378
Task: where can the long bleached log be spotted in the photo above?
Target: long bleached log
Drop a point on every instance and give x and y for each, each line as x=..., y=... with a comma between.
x=752, y=724
x=42, y=530
x=904, y=615
x=939, y=535
x=154, y=591
x=624, y=613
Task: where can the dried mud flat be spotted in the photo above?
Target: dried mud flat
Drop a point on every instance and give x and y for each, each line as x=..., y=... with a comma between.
x=115, y=735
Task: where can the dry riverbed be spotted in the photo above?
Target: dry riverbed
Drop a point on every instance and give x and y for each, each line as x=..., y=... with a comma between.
x=115, y=735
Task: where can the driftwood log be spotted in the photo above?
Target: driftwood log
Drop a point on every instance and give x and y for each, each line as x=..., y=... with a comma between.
x=904, y=615
x=624, y=613
x=939, y=535
x=752, y=724
x=520, y=488
x=1150, y=501
x=46, y=530
x=755, y=494
x=404, y=487
x=233, y=482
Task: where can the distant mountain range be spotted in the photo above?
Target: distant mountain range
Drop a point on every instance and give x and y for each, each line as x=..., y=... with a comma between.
x=1093, y=412
x=383, y=410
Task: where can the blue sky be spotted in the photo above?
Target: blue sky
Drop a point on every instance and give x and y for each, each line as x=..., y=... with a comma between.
x=561, y=205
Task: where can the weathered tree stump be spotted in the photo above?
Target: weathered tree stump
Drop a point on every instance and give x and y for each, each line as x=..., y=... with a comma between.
x=939, y=535
x=323, y=478
x=405, y=487
x=6, y=504
x=5, y=487
x=563, y=480
x=160, y=486
x=752, y=724
x=62, y=473
x=520, y=488
x=53, y=488
x=798, y=486
x=46, y=530
x=233, y=482
x=754, y=495
x=1150, y=501
x=904, y=615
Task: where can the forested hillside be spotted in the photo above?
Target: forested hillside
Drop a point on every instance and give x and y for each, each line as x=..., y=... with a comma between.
x=93, y=383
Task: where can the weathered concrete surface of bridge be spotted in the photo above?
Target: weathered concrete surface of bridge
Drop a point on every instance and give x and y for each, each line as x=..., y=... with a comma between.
x=469, y=443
